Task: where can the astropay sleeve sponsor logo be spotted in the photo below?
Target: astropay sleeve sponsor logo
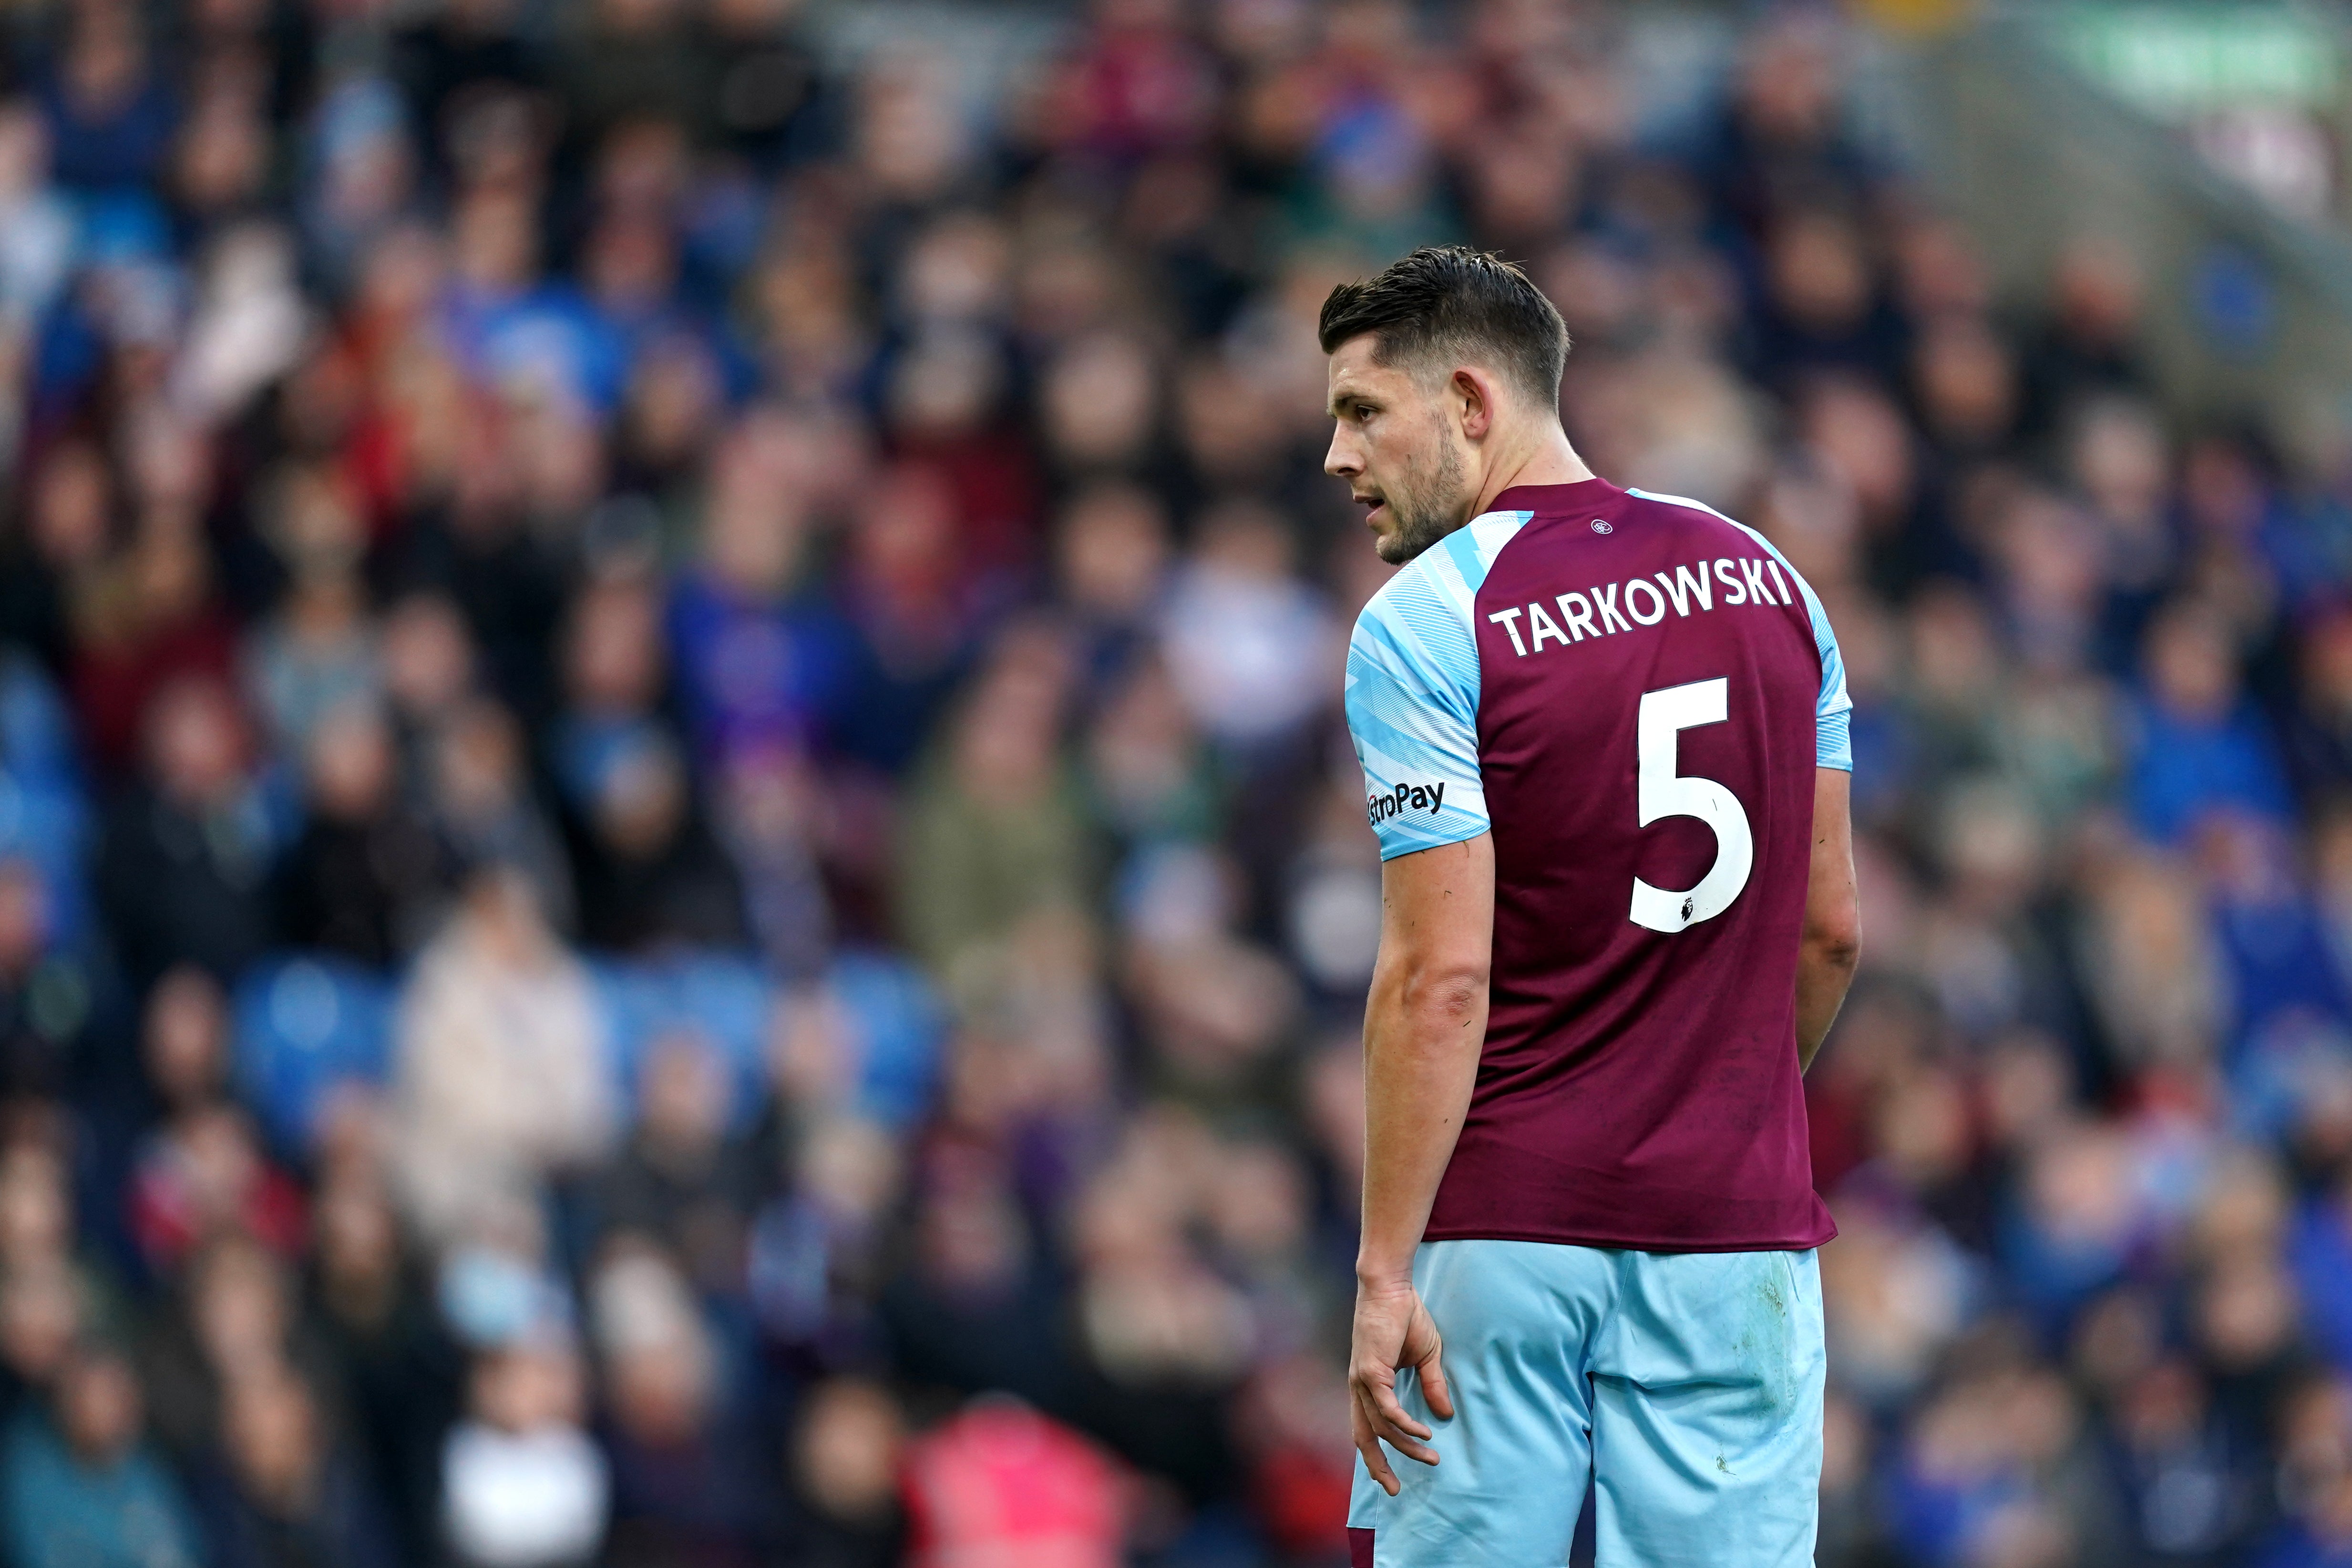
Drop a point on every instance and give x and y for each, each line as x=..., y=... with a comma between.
x=1403, y=798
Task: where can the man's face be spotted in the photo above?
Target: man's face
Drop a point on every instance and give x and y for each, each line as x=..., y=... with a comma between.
x=1396, y=443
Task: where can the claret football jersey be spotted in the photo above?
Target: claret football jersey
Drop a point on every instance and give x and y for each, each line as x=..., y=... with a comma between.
x=1631, y=692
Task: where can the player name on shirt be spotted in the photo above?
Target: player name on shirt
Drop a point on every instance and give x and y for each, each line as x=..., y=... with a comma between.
x=1600, y=611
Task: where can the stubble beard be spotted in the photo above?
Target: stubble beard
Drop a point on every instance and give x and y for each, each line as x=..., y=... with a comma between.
x=1425, y=515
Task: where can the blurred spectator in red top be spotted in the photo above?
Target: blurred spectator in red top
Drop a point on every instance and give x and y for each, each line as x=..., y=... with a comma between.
x=1001, y=1482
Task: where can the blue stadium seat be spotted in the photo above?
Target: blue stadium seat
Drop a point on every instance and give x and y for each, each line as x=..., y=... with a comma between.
x=306, y=1024
x=724, y=997
x=899, y=1022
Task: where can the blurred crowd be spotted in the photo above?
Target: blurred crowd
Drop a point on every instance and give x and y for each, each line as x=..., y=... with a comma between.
x=679, y=880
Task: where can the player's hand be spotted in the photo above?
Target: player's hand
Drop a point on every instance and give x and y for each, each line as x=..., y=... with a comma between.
x=1393, y=1330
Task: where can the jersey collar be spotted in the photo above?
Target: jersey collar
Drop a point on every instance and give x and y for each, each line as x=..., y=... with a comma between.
x=1546, y=498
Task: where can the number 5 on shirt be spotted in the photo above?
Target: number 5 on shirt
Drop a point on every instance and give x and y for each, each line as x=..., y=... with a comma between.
x=1663, y=792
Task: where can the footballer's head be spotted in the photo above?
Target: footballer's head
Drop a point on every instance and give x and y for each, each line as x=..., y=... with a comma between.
x=1442, y=364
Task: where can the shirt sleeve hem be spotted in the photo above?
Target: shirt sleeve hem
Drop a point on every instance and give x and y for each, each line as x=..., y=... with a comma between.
x=1436, y=840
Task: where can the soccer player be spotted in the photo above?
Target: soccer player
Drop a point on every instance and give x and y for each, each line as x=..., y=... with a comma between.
x=1604, y=735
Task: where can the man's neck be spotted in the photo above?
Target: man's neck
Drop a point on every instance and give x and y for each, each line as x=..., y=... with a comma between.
x=1553, y=461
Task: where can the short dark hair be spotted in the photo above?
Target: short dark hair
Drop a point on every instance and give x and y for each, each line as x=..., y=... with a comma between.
x=1452, y=300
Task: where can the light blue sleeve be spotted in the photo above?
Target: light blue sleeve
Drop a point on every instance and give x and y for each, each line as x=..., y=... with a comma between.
x=1833, y=716
x=1413, y=704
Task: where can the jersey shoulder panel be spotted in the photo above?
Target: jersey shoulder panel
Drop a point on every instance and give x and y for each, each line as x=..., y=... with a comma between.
x=1412, y=691
x=1834, y=712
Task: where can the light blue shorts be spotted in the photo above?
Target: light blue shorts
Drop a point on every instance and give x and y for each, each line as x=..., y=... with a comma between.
x=1687, y=1385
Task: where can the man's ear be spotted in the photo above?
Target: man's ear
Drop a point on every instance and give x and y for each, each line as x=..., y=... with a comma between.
x=1473, y=395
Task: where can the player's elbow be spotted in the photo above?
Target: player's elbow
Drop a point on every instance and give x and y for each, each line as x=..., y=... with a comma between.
x=1834, y=938
x=1445, y=994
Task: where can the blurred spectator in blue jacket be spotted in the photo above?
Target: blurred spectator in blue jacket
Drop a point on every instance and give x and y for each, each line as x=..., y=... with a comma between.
x=2201, y=746
x=79, y=1486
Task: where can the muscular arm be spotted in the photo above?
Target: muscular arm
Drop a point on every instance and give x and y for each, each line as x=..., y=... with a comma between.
x=1424, y=1025
x=1832, y=944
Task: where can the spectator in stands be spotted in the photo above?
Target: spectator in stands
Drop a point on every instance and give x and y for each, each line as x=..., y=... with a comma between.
x=38, y=1044
x=681, y=1176
x=182, y=872
x=994, y=833
x=289, y=1496
x=78, y=1485
x=685, y=1484
x=373, y=1309
x=844, y=1484
x=2201, y=747
x=524, y=1487
x=499, y=1060
x=652, y=874
x=366, y=877
x=479, y=801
